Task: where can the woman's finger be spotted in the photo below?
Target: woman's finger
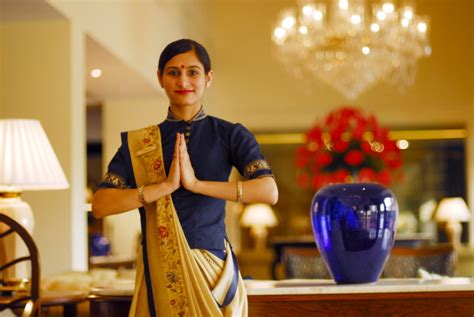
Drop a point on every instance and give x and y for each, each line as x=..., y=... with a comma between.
x=177, y=145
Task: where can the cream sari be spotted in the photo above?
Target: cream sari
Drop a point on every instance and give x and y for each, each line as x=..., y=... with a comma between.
x=180, y=281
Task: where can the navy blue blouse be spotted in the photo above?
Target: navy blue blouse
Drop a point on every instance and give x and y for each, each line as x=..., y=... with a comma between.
x=214, y=146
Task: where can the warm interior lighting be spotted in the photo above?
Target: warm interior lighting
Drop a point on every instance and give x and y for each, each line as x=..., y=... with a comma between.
x=329, y=49
x=96, y=73
x=403, y=144
x=259, y=217
x=27, y=162
x=453, y=211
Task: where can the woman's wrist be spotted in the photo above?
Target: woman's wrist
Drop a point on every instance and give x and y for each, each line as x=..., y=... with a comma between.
x=196, y=187
x=167, y=188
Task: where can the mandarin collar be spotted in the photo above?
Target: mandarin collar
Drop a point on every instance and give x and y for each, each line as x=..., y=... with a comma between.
x=199, y=116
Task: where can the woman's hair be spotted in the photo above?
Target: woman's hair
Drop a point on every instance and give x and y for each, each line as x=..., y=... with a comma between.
x=183, y=46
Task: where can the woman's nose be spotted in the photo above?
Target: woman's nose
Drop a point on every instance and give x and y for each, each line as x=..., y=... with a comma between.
x=183, y=81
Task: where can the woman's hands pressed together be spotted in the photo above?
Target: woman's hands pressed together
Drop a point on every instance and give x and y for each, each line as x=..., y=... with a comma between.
x=188, y=178
x=173, y=179
x=181, y=170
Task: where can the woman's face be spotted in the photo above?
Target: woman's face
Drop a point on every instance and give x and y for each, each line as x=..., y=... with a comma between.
x=184, y=80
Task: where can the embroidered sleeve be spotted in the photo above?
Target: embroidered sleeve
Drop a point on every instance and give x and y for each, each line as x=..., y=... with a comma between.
x=256, y=166
x=246, y=154
x=111, y=180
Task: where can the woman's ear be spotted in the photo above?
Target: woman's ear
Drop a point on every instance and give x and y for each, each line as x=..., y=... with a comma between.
x=160, y=78
x=209, y=77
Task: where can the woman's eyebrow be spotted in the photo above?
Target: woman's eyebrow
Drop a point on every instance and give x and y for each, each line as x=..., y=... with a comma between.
x=187, y=67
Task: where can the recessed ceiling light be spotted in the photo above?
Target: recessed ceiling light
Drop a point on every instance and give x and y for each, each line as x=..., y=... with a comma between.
x=96, y=73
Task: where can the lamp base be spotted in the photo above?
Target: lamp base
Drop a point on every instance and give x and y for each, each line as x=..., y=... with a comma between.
x=259, y=233
x=454, y=230
x=13, y=247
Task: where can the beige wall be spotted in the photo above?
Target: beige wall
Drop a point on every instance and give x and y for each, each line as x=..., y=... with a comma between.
x=37, y=80
x=135, y=31
x=118, y=116
x=470, y=152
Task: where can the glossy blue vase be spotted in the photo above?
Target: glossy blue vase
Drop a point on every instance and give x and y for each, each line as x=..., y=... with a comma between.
x=354, y=227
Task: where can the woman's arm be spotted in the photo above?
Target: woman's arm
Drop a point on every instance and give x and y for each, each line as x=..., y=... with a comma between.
x=260, y=190
x=112, y=201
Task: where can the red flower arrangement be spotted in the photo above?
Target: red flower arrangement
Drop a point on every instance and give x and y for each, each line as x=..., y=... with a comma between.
x=348, y=147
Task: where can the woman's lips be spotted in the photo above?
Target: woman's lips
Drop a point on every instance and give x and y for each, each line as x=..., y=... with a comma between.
x=183, y=92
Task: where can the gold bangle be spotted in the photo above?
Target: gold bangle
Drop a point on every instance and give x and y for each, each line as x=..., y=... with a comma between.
x=141, y=195
x=239, y=192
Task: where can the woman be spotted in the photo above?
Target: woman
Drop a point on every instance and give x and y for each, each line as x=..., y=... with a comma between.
x=177, y=174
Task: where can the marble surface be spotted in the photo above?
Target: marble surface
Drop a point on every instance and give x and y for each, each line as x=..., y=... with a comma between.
x=302, y=286
x=312, y=286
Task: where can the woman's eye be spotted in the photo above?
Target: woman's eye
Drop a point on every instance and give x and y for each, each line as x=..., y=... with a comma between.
x=193, y=72
x=173, y=73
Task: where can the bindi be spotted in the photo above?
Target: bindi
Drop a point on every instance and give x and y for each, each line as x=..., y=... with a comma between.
x=182, y=66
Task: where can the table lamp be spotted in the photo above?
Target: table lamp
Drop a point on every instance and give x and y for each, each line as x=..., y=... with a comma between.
x=453, y=211
x=258, y=217
x=27, y=162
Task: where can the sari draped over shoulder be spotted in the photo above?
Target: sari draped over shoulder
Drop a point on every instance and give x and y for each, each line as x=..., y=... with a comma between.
x=173, y=279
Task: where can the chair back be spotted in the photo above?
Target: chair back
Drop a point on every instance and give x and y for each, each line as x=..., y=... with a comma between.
x=405, y=262
x=304, y=262
x=12, y=296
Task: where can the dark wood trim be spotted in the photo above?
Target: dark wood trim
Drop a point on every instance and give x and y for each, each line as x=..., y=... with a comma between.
x=448, y=303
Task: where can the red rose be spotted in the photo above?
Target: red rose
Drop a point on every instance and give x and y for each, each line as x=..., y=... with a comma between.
x=340, y=175
x=366, y=147
x=367, y=175
x=314, y=134
x=323, y=159
x=336, y=134
x=318, y=181
x=341, y=146
x=302, y=156
x=354, y=158
x=384, y=178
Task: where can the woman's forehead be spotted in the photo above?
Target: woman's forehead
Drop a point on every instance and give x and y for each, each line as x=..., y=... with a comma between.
x=184, y=60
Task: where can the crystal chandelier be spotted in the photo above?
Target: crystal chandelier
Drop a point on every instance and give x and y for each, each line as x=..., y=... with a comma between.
x=352, y=48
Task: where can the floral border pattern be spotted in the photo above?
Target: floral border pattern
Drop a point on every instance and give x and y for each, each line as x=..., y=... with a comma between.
x=116, y=180
x=166, y=226
x=255, y=166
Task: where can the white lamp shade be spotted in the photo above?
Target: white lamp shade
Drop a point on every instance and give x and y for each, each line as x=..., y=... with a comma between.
x=258, y=215
x=27, y=160
x=452, y=209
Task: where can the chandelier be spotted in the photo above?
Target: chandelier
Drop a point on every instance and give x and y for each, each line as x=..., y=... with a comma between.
x=350, y=47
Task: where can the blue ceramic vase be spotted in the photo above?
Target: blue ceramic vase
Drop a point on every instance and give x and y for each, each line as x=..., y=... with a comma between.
x=354, y=227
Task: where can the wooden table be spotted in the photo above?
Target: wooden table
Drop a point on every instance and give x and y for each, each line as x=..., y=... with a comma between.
x=68, y=299
x=387, y=297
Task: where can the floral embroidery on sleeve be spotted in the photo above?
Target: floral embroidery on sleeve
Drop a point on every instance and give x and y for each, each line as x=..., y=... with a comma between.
x=116, y=180
x=254, y=166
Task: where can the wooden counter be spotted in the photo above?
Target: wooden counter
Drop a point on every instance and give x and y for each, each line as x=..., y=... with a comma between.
x=387, y=297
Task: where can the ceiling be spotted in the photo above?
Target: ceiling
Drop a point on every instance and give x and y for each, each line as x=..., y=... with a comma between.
x=118, y=79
